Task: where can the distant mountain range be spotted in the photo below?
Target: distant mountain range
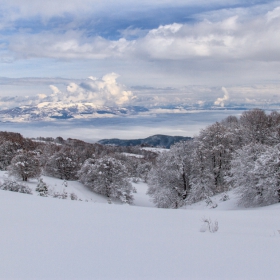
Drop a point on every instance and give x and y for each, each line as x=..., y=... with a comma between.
x=51, y=111
x=57, y=110
x=158, y=140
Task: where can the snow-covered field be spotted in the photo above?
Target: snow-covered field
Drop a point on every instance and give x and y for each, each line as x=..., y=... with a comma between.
x=155, y=150
x=47, y=238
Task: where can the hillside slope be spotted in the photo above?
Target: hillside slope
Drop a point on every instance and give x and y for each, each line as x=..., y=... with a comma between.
x=45, y=238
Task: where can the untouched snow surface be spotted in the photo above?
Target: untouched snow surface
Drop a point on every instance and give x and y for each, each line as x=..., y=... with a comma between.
x=44, y=238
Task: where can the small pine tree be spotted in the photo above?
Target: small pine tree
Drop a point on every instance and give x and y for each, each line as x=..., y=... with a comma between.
x=42, y=188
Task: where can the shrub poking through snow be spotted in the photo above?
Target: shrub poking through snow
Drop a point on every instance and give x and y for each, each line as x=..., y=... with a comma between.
x=208, y=225
x=224, y=197
x=62, y=195
x=13, y=186
x=65, y=184
x=73, y=196
x=42, y=188
x=211, y=203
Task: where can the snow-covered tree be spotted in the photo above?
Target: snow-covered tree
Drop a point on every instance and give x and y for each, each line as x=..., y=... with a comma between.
x=143, y=170
x=216, y=144
x=107, y=176
x=24, y=166
x=63, y=165
x=48, y=150
x=8, y=150
x=273, y=135
x=256, y=175
x=243, y=176
x=202, y=177
x=210, y=159
x=169, y=179
x=267, y=172
x=254, y=126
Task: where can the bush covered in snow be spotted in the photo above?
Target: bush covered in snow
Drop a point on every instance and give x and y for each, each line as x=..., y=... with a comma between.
x=62, y=195
x=14, y=186
x=73, y=196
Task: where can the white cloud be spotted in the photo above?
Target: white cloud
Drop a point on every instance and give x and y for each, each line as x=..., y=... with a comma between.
x=54, y=89
x=104, y=91
x=101, y=92
x=229, y=39
x=70, y=45
x=274, y=14
x=221, y=100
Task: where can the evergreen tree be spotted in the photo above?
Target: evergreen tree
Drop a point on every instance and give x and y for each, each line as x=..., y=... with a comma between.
x=42, y=188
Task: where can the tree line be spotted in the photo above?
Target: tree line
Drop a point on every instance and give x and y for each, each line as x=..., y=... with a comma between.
x=107, y=170
x=237, y=153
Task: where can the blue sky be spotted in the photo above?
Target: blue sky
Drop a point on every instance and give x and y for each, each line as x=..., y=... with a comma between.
x=196, y=48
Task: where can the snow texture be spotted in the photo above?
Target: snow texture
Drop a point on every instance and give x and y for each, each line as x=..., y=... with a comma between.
x=46, y=238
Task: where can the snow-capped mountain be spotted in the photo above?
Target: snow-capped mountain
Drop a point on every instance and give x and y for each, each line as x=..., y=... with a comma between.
x=51, y=111
x=58, y=110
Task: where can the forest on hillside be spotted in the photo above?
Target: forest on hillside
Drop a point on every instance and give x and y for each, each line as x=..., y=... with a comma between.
x=236, y=153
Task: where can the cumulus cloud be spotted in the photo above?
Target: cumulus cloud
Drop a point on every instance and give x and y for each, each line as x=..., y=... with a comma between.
x=105, y=91
x=230, y=39
x=100, y=92
x=221, y=100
